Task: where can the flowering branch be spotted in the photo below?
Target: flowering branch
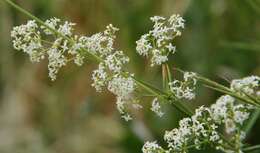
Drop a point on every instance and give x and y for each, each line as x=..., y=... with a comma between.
x=202, y=127
x=49, y=28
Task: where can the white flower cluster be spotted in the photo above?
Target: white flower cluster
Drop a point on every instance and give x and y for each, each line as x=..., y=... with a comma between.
x=204, y=127
x=110, y=71
x=27, y=38
x=62, y=46
x=152, y=147
x=248, y=85
x=157, y=43
x=156, y=107
x=184, y=89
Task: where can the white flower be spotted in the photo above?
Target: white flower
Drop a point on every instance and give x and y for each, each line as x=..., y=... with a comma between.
x=116, y=61
x=66, y=29
x=121, y=86
x=248, y=85
x=158, y=58
x=121, y=107
x=184, y=89
x=204, y=125
x=56, y=61
x=221, y=107
x=143, y=45
x=52, y=23
x=240, y=114
x=157, y=43
x=156, y=107
x=152, y=147
x=27, y=38
x=99, y=77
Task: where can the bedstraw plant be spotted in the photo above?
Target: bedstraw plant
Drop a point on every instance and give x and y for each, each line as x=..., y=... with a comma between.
x=220, y=126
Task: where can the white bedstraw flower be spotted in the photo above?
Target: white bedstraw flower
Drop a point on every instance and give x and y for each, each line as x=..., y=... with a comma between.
x=27, y=38
x=152, y=147
x=56, y=59
x=121, y=86
x=221, y=108
x=99, y=77
x=240, y=114
x=52, y=23
x=248, y=85
x=66, y=29
x=184, y=89
x=121, y=107
x=116, y=61
x=156, y=107
x=203, y=127
x=143, y=45
x=158, y=42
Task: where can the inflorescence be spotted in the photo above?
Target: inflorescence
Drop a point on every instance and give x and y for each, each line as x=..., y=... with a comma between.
x=158, y=42
x=204, y=128
x=208, y=125
x=56, y=41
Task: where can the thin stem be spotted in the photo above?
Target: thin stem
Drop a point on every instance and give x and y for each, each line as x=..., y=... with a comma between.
x=164, y=77
x=234, y=95
x=252, y=121
x=251, y=148
x=224, y=89
x=169, y=73
x=47, y=42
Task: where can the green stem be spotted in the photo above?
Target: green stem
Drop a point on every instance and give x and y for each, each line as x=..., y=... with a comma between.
x=224, y=89
x=234, y=95
x=252, y=121
x=164, y=77
x=251, y=148
x=169, y=73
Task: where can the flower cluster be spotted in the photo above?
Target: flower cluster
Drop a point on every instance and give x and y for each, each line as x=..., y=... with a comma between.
x=157, y=43
x=184, y=89
x=204, y=128
x=152, y=147
x=27, y=38
x=63, y=46
x=247, y=86
x=156, y=107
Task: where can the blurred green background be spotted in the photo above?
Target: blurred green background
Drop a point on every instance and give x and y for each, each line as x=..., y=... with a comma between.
x=221, y=41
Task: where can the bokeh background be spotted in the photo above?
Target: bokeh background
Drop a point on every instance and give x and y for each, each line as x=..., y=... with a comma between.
x=221, y=41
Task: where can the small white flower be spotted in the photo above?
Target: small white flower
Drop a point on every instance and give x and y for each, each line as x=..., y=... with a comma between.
x=221, y=108
x=66, y=29
x=116, y=61
x=184, y=89
x=121, y=86
x=156, y=107
x=157, y=43
x=52, y=23
x=152, y=147
x=248, y=85
x=99, y=77
x=27, y=38
x=56, y=61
